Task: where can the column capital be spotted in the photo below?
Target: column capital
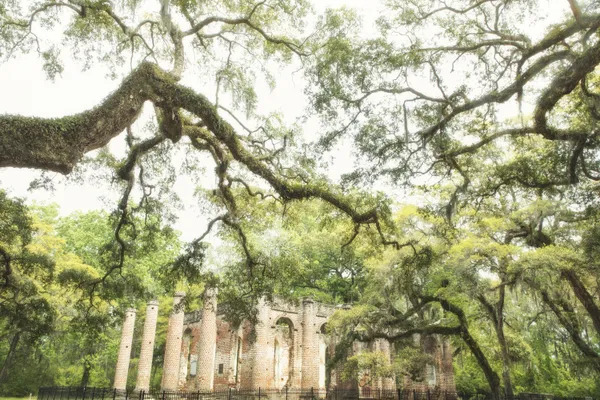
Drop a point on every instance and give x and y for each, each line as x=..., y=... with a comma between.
x=307, y=300
x=152, y=303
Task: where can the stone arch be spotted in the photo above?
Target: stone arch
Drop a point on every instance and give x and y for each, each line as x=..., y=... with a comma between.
x=185, y=367
x=237, y=358
x=283, y=353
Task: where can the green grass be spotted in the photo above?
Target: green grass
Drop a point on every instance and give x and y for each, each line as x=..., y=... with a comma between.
x=17, y=398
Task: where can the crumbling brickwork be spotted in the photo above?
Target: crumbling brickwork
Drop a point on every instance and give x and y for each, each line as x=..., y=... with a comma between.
x=172, y=361
x=147, y=350
x=438, y=376
x=287, y=347
x=207, y=342
x=124, y=355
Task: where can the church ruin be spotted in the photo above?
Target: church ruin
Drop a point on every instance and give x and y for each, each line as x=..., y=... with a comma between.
x=287, y=348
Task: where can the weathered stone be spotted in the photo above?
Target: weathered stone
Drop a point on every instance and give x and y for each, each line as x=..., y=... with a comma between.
x=124, y=355
x=287, y=347
x=171, y=365
x=147, y=350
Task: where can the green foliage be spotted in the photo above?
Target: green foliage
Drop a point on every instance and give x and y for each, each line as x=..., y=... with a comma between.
x=66, y=323
x=371, y=365
x=411, y=361
x=502, y=252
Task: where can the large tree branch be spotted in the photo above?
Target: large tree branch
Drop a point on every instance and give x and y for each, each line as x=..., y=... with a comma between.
x=586, y=299
x=563, y=84
x=58, y=144
x=247, y=21
x=425, y=330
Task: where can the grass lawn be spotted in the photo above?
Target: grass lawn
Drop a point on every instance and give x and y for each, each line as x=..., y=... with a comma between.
x=17, y=398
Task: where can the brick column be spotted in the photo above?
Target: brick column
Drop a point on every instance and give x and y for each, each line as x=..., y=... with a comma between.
x=208, y=341
x=262, y=350
x=124, y=356
x=310, y=346
x=447, y=371
x=385, y=348
x=173, y=345
x=376, y=346
x=147, y=350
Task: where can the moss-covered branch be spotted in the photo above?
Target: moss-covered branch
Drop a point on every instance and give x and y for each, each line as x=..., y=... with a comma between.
x=58, y=144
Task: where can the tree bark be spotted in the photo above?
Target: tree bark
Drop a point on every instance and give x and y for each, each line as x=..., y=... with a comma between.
x=586, y=299
x=85, y=377
x=508, y=389
x=571, y=325
x=461, y=330
x=11, y=352
x=490, y=375
x=496, y=314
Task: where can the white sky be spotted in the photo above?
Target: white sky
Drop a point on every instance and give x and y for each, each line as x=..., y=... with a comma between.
x=25, y=90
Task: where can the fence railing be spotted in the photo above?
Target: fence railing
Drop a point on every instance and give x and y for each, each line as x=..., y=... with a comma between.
x=92, y=393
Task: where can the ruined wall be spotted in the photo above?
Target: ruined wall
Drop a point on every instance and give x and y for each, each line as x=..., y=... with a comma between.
x=438, y=376
x=286, y=347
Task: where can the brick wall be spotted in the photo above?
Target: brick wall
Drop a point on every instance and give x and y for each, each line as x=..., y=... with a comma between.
x=249, y=351
x=439, y=375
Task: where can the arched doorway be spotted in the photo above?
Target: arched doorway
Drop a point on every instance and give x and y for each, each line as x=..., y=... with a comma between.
x=283, y=353
x=187, y=365
x=324, y=370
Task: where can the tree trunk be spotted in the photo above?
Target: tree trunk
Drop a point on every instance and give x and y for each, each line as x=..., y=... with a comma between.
x=496, y=314
x=11, y=352
x=571, y=325
x=85, y=377
x=508, y=389
x=586, y=299
x=490, y=375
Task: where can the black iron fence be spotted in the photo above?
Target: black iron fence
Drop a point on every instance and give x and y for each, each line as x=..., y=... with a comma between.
x=92, y=393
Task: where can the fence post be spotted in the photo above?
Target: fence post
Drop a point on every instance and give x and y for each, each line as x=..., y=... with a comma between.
x=103, y=390
x=414, y=394
x=259, y=393
x=198, y=395
x=114, y=393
